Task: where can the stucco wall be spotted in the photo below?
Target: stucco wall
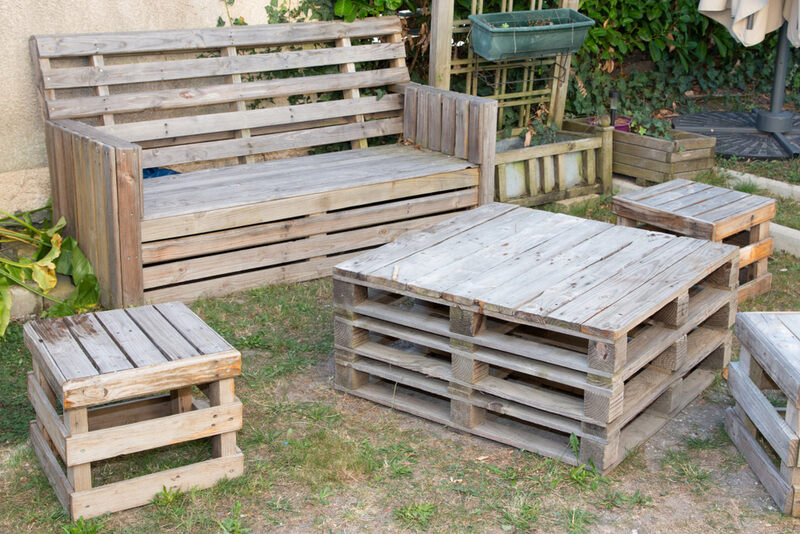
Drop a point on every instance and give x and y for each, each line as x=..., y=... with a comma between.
x=24, y=179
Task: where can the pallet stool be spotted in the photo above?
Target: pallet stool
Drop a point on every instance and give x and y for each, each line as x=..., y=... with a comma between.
x=768, y=361
x=705, y=211
x=107, y=372
x=528, y=327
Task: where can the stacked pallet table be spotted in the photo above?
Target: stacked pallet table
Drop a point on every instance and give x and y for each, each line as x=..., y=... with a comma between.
x=526, y=327
x=763, y=431
x=106, y=373
x=708, y=212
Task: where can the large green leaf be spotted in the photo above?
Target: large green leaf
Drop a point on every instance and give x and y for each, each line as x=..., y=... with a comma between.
x=5, y=304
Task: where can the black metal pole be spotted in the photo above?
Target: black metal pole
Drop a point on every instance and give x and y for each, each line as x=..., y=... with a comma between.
x=781, y=68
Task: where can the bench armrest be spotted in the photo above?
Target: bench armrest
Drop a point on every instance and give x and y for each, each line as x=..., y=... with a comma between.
x=456, y=124
x=96, y=185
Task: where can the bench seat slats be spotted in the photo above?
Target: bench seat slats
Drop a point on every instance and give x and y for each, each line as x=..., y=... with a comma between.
x=228, y=148
x=203, y=191
x=64, y=78
x=52, y=46
x=91, y=106
x=251, y=119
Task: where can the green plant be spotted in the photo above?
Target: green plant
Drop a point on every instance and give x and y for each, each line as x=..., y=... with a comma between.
x=167, y=496
x=349, y=10
x=615, y=499
x=644, y=123
x=233, y=523
x=83, y=526
x=41, y=253
x=415, y=515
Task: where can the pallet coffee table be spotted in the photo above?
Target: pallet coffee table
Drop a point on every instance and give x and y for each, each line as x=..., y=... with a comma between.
x=705, y=211
x=526, y=327
x=105, y=373
x=769, y=360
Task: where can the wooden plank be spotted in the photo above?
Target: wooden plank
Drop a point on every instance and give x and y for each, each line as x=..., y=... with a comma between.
x=86, y=44
x=763, y=414
x=683, y=225
x=264, y=256
x=90, y=106
x=460, y=149
x=137, y=346
x=129, y=205
x=193, y=329
x=758, y=461
x=296, y=272
x=254, y=118
x=248, y=236
x=162, y=333
x=220, y=394
x=52, y=470
x=410, y=114
x=97, y=344
x=550, y=149
x=434, y=121
x=127, y=412
x=200, y=67
x=448, y=129
x=53, y=337
x=421, y=121
x=260, y=212
x=146, y=435
x=755, y=287
x=141, y=490
x=77, y=422
x=46, y=415
x=151, y=379
x=227, y=148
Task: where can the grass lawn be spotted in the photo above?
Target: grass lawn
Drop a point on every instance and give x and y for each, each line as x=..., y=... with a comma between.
x=320, y=461
x=786, y=170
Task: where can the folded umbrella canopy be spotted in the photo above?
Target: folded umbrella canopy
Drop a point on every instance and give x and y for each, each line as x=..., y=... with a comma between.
x=760, y=134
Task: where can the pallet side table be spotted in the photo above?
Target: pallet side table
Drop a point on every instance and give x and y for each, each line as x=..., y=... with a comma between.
x=704, y=211
x=96, y=388
x=768, y=361
x=525, y=327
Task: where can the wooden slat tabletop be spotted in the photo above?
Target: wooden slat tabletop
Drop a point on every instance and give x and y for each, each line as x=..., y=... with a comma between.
x=685, y=201
x=95, y=344
x=543, y=268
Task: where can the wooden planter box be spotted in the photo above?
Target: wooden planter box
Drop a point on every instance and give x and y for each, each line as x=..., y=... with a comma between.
x=578, y=164
x=654, y=160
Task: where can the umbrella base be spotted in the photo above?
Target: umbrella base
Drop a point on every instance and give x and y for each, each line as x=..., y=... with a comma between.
x=738, y=133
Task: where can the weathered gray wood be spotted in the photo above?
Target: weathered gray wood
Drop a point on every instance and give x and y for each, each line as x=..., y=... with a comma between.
x=210, y=38
x=97, y=344
x=270, y=143
x=136, y=345
x=53, y=337
x=771, y=425
x=254, y=118
x=89, y=106
x=216, y=66
x=774, y=347
x=163, y=334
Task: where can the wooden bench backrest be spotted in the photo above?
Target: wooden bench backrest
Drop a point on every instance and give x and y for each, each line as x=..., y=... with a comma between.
x=234, y=92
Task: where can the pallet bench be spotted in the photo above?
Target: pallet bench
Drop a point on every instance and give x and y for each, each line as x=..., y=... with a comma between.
x=525, y=327
x=768, y=437
x=220, y=105
x=708, y=212
x=106, y=373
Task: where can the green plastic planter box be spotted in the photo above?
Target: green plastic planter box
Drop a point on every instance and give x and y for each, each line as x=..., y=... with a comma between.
x=498, y=36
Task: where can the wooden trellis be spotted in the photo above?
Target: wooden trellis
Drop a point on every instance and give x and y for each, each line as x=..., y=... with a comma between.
x=525, y=83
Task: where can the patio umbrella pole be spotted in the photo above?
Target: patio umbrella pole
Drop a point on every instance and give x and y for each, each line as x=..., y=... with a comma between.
x=760, y=134
x=777, y=121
